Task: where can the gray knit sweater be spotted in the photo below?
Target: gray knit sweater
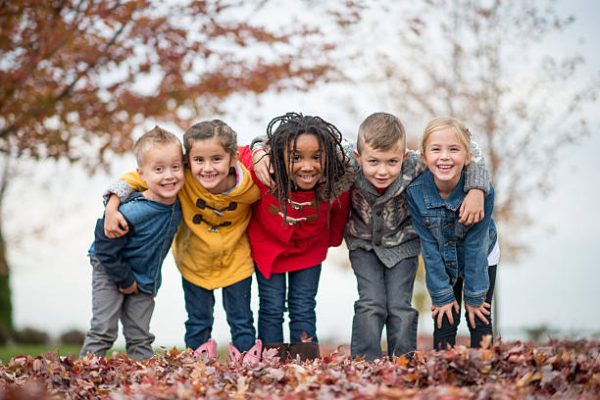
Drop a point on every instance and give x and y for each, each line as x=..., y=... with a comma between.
x=381, y=222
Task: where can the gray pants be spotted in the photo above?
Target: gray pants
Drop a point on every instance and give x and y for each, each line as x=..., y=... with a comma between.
x=385, y=297
x=108, y=306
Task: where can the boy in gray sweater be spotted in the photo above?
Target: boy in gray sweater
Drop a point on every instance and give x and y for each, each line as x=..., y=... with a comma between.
x=382, y=242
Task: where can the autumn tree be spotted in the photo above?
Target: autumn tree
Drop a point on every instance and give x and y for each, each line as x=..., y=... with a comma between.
x=79, y=77
x=485, y=63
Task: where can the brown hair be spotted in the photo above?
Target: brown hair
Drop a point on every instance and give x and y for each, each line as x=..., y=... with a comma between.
x=209, y=129
x=381, y=131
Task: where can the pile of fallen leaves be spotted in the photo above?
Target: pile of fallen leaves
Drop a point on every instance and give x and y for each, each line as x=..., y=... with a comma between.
x=563, y=369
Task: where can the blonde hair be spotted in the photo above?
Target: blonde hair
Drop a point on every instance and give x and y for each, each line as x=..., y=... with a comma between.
x=381, y=131
x=155, y=136
x=454, y=125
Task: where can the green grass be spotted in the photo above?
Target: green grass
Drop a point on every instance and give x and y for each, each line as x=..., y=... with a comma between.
x=6, y=353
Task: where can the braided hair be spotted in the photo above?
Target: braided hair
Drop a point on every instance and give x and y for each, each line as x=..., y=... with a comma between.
x=283, y=132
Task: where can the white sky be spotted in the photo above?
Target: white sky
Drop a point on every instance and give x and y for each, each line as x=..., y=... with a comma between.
x=555, y=285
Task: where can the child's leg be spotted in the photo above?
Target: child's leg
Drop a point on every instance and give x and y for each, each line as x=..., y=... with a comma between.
x=370, y=309
x=446, y=335
x=271, y=294
x=106, y=310
x=402, y=318
x=236, y=301
x=136, y=315
x=481, y=329
x=302, y=293
x=199, y=304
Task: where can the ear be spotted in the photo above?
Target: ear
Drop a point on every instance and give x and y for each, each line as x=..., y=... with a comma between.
x=356, y=155
x=234, y=159
x=469, y=157
x=406, y=153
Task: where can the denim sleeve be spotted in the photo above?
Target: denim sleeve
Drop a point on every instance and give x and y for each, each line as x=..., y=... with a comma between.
x=437, y=280
x=476, y=173
x=108, y=252
x=476, y=247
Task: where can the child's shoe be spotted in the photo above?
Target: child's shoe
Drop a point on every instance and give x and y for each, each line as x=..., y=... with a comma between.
x=208, y=349
x=250, y=357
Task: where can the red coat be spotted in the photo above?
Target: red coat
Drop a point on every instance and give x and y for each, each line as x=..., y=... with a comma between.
x=301, y=242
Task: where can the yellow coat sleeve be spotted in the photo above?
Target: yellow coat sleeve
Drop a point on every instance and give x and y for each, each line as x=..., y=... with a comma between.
x=133, y=179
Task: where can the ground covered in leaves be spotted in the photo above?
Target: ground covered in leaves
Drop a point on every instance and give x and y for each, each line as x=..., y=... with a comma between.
x=565, y=369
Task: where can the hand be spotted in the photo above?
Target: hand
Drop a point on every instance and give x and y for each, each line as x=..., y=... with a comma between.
x=440, y=311
x=262, y=167
x=131, y=289
x=115, y=224
x=481, y=312
x=472, y=207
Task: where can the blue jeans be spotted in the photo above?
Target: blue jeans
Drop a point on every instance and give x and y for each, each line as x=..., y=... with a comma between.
x=446, y=335
x=384, y=298
x=301, y=288
x=200, y=304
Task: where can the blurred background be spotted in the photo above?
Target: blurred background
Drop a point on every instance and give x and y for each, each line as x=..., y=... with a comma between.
x=82, y=80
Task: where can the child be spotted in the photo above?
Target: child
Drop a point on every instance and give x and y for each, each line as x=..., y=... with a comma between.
x=460, y=261
x=383, y=245
x=294, y=224
x=126, y=271
x=211, y=249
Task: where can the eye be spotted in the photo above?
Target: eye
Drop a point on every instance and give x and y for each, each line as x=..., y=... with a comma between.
x=372, y=162
x=198, y=160
x=176, y=167
x=158, y=169
x=455, y=149
x=393, y=162
x=317, y=157
x=296, y=157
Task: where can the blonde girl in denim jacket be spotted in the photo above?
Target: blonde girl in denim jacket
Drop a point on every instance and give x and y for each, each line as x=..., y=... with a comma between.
x=460, y=261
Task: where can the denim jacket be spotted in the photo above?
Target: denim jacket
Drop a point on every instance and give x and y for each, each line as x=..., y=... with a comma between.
x=450, y=249
x=138, y=256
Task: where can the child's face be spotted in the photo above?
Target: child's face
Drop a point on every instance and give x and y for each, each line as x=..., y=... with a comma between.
x=306, y=169
x=210, y=164
x=163, y=172
x=445, y=156
x=381, y=167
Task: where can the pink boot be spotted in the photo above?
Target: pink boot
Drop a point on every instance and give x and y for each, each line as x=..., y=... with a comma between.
x=250, y=357
x=208, y=349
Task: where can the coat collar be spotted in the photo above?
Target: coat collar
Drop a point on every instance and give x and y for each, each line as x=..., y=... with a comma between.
x=432, y=196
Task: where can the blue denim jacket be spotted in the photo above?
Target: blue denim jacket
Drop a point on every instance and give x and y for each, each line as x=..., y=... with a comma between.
x=138, y=256
x=449, y=248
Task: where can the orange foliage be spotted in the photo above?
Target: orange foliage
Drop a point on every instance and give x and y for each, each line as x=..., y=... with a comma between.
x=89, y=72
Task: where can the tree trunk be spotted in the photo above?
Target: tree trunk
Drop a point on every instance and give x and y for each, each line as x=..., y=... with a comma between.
x=6, y=309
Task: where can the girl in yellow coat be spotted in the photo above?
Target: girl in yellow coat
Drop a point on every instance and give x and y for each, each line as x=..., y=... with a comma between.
x=211, y=248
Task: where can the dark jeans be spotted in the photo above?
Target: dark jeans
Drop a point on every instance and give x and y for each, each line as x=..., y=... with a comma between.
x=200, y=304
x=446, y=335
x=384, y=299
x=300, y=291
